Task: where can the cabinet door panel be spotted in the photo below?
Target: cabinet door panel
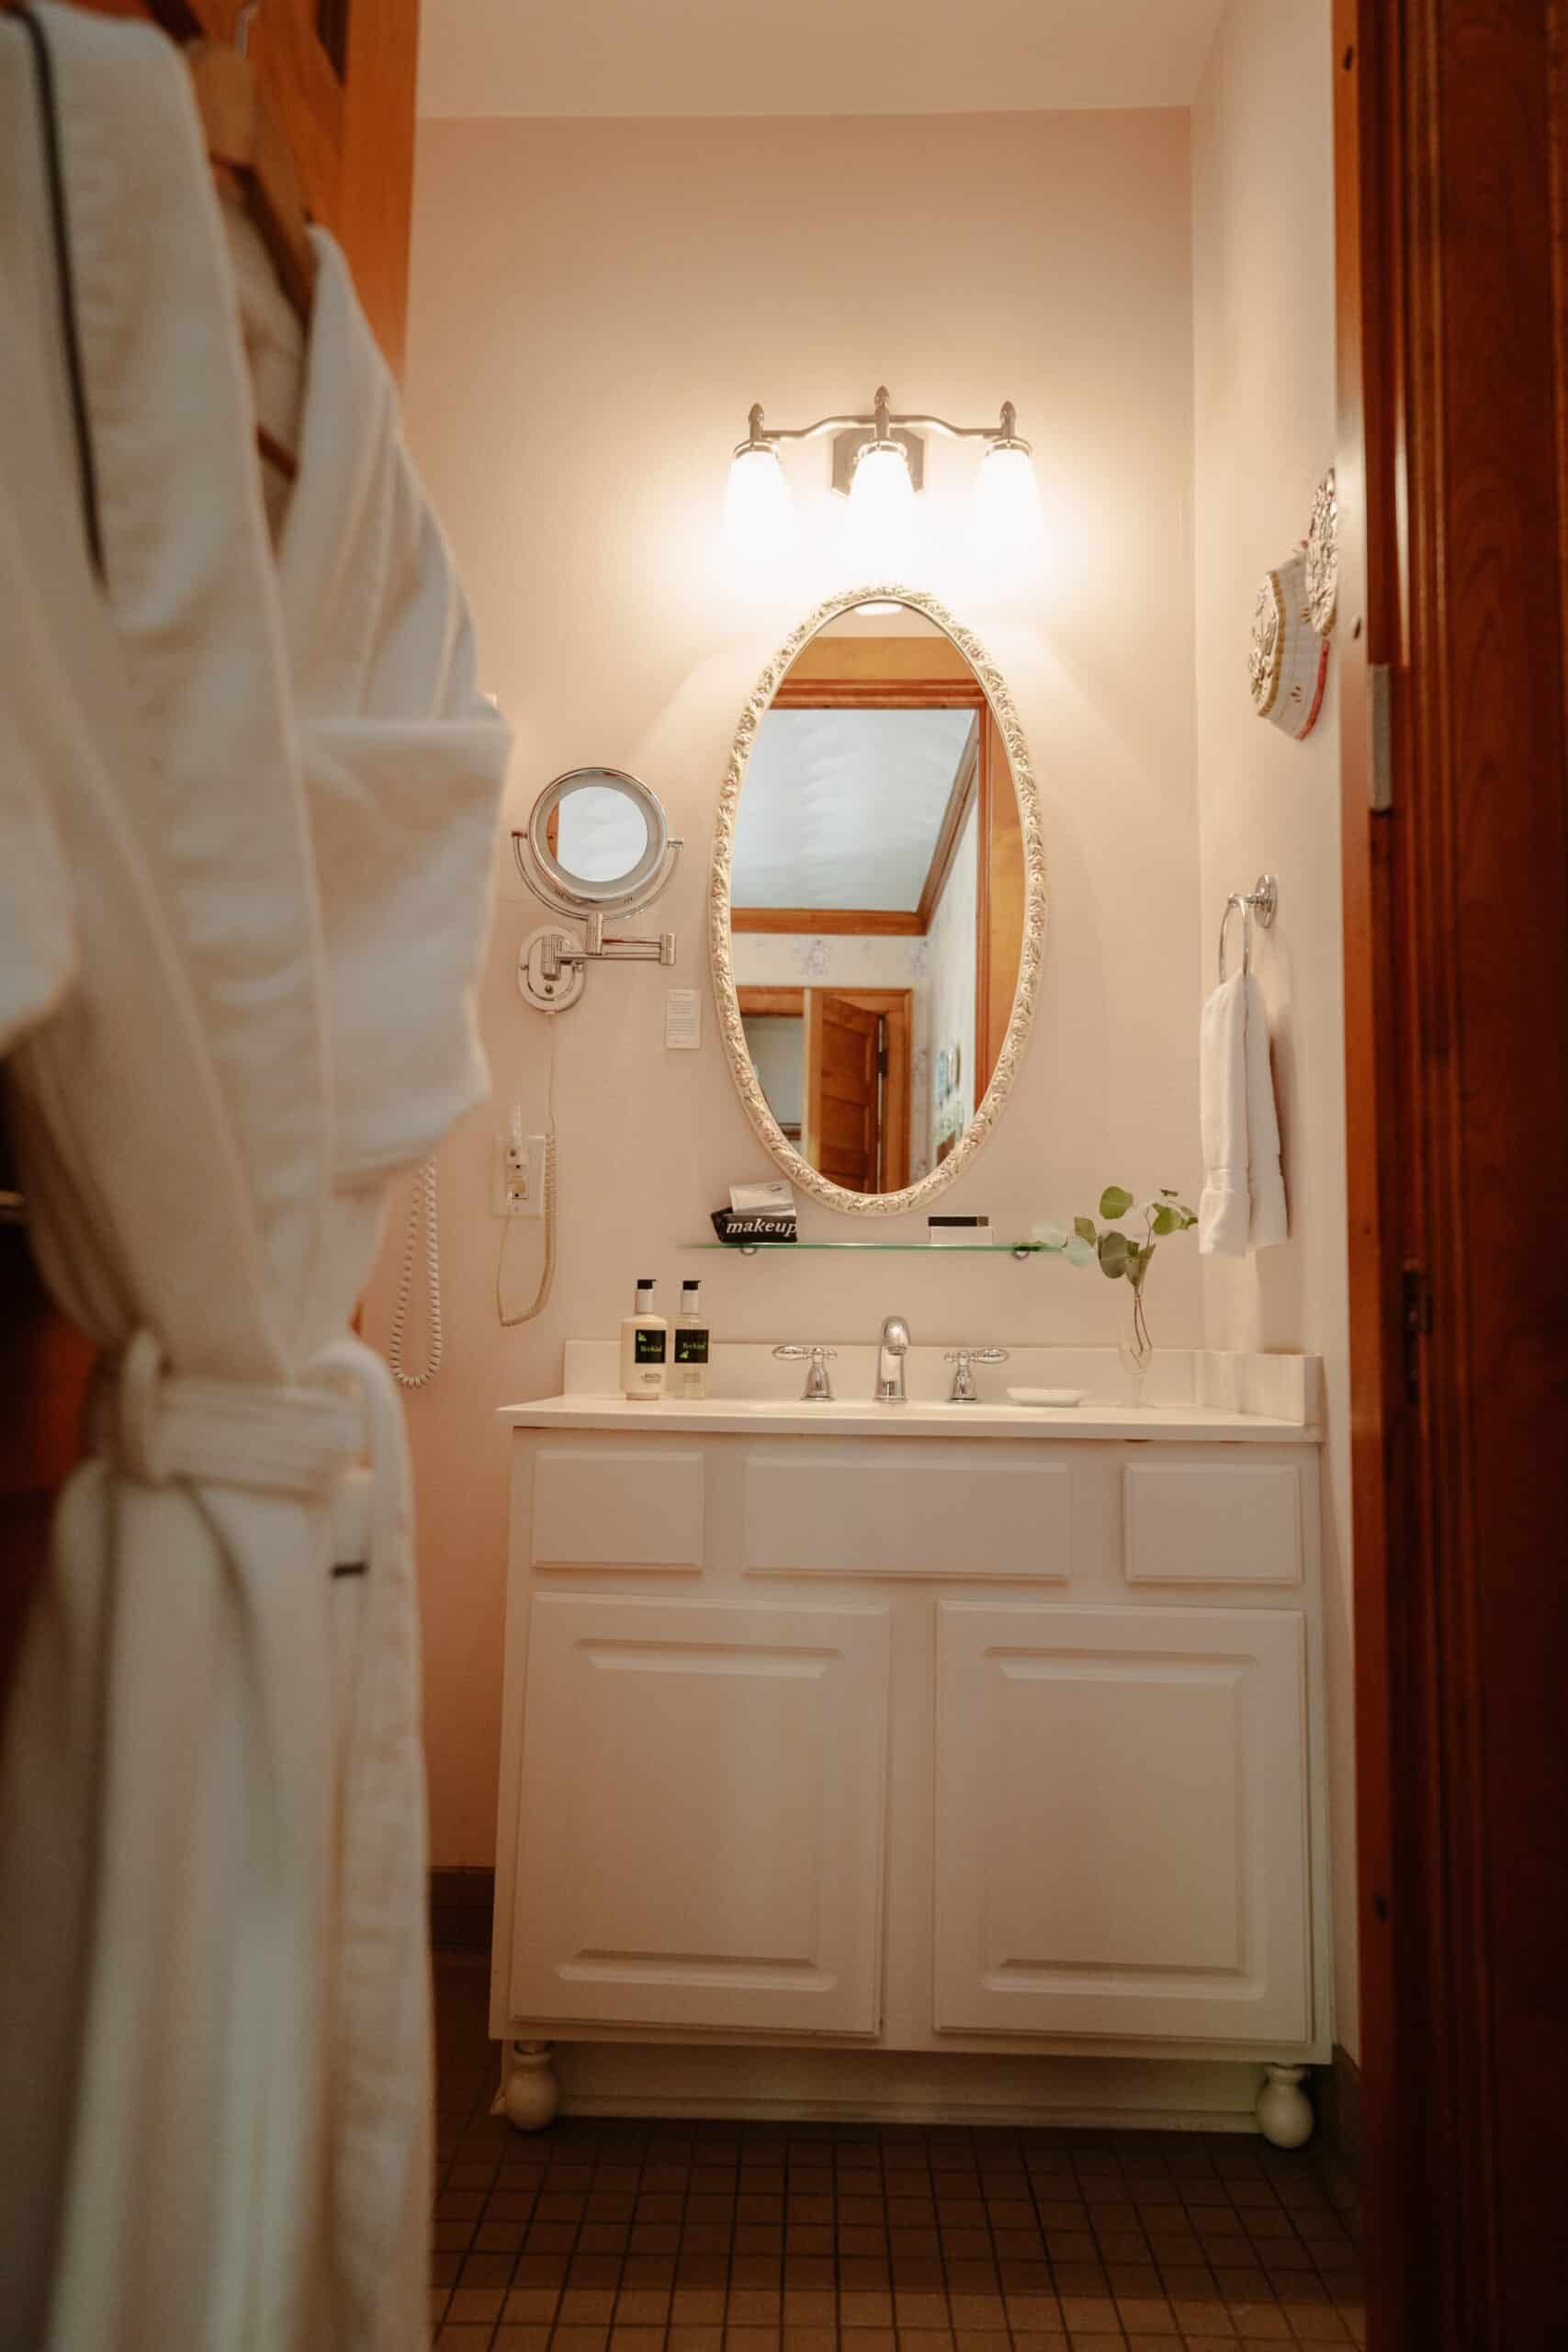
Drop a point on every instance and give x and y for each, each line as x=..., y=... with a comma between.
x=704, y=1792
x=1122, y=1843
x=1213, y=1523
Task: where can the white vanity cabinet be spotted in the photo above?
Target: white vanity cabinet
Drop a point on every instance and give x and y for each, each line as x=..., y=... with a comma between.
x=887, y=1735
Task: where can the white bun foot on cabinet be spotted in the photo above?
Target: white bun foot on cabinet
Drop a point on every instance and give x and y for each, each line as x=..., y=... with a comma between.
x=531, y=2095
x=1283, y=2110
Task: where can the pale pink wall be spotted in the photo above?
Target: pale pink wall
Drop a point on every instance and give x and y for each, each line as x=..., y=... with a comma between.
x=595, y=307
x=1263, y=310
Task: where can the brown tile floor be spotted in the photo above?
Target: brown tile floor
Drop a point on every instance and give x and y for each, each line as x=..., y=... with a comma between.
x=648, y=2236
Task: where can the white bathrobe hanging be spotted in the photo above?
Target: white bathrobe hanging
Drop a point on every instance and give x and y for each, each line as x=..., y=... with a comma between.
x=249, y=810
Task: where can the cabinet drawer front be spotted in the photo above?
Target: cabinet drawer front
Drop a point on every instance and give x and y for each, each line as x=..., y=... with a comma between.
x=886, y=1512
x=1220, y=1522
x=701, y=1834
x=1122, y=1805
x=618, y=1506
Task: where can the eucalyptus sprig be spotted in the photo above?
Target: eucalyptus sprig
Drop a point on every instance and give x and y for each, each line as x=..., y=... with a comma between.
x=1120, y=1256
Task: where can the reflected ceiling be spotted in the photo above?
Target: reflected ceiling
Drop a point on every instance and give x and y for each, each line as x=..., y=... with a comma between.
x=842, y=808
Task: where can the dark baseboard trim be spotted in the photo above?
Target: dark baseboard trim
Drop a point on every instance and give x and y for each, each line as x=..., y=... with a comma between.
x=1339, y=2112
x=462, y=1909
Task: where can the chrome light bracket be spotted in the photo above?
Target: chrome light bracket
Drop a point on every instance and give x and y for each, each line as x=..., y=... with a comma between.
x=852, y=432
x=847, y=447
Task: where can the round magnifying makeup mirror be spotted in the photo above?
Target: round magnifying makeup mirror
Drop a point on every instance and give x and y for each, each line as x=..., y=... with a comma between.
x=597, y=842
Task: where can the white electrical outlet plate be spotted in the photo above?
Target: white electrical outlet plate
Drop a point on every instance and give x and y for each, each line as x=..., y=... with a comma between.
x=513, y=1185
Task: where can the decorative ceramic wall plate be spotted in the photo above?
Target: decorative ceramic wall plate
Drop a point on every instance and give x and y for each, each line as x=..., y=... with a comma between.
x=1323, y=556
x=1288, y=661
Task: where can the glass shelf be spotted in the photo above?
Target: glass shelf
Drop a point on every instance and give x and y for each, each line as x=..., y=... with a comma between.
x=888, y=1249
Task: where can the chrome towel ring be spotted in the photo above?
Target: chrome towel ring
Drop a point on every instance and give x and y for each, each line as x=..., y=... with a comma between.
x=1262, y=900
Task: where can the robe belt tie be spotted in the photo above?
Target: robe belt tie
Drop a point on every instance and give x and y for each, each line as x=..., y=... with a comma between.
x=288, y=1438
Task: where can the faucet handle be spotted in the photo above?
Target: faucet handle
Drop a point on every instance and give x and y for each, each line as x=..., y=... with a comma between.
x=963, y=1391
x=819, y=1388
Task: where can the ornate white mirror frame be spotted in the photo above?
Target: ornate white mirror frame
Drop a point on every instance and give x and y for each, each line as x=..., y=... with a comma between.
x=798, y=1170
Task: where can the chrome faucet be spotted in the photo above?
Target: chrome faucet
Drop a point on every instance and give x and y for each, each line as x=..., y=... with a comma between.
x=890, y=1354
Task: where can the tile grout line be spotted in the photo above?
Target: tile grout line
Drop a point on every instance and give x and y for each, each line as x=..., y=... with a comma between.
x=680, y=2236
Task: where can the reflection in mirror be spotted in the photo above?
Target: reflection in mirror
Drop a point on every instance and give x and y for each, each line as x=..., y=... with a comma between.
x=598, y=833
x=877, y=898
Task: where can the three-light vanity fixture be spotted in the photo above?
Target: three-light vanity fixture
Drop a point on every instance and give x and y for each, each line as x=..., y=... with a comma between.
x=879, y=464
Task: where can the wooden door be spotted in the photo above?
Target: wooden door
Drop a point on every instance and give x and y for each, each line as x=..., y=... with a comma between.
x=1452, y=139
x=843, y=1091
x=1121, y=1827
x=703, y=1814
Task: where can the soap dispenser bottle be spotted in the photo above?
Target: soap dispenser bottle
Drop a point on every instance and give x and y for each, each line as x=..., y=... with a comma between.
x=645, y=1342
x=689, y=1371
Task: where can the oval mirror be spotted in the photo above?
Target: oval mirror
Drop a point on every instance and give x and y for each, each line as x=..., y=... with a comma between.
x=878, y=901
x=596, y=837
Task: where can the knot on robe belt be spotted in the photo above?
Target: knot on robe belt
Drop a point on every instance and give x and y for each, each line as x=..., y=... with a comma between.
x=157, y=1425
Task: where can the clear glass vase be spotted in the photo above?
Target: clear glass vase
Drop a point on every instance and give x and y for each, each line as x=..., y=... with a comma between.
x=1135, y=1351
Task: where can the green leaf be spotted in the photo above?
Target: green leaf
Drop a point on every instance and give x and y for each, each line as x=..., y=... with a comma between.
x=1050, y=1237
x=1165, y=1193
x=1114, y=1202
x=1114, y=1250
x=1084, y=1228
x=1079, y=1252
x=1168, y=1220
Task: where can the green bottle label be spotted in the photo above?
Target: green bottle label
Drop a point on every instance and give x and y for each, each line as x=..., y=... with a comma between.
x=649, y=1347
x=690, y=1347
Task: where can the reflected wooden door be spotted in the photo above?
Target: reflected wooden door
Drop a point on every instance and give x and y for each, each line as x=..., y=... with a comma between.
x=843, y=1089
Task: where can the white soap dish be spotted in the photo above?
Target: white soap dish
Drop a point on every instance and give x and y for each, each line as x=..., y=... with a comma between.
x=1047, y=1395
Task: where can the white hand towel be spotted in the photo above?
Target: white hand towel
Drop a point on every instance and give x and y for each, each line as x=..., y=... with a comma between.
x=1243, y=1202
x=1225, y=1210
x=1265, y=1180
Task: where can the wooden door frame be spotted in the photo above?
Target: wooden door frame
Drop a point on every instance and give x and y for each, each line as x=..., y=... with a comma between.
x=1451, y=172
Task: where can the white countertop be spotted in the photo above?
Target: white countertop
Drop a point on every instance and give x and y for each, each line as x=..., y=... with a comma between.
x=1192, y=1396
x=851, y=1417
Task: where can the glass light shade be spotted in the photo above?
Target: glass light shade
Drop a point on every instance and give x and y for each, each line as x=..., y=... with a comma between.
x=758, y=513
x=884, y=529
x=1007, y=524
